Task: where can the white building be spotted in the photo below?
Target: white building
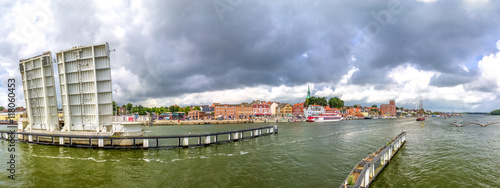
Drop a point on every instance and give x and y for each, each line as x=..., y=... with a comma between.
x=39, y=92
x=85, y=78
x=313, y=110
x=273, y=108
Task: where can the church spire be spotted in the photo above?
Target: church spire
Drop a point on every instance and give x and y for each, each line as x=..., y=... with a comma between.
x=308, y=92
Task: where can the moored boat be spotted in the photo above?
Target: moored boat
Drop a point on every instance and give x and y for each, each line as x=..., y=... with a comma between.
x=325, y=117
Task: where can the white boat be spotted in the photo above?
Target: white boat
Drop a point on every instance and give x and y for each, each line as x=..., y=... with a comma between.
x=325, y=117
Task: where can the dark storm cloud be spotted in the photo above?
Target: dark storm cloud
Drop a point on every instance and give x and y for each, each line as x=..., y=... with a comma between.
x=185, y=46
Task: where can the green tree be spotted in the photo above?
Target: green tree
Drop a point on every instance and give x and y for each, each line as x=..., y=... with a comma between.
x=374, y=106
x=1, y=108
x=335, y=102
x=355, y=106
x=177, y=108
x=196, y=108
x=129, y=107
x=495, y=112
x=171, y=108
x=114, y=108
x=187, y=109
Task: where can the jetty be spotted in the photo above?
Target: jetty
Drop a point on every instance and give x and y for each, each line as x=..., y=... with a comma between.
x=367, y=169
x=108, y=141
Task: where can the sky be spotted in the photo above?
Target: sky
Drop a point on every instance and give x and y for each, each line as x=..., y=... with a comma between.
x=445, y=52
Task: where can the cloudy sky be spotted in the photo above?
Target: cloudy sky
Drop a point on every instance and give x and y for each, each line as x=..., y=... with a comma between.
x=229, y=51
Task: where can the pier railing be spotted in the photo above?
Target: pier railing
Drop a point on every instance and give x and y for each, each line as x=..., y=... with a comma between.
x=137, y=142
x=367, y=169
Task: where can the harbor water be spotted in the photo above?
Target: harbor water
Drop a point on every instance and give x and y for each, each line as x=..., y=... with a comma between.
x=303, y=154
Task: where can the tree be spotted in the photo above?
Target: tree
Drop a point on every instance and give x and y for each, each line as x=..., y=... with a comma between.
x=355, y=106
x=495, y=112
x=196, y=108
x=374, y=106
x=129, y=107
x=114, y=108
x=187, y=109
x=335, y=102
x=171, y=108
x=1, y=108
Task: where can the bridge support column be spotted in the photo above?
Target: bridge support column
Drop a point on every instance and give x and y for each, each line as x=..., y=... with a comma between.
x=185, y=142
x=275, y=128
x=61, y=140
x=235, y=136
x=100, y=142
x=207, y=139
x=30, y=138
x=367, y=178
x=145, y=143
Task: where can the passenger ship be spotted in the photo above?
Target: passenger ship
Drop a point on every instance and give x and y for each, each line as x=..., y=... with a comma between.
x=325, y=117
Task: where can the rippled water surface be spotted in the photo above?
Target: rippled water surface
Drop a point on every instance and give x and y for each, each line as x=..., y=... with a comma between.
x=437, y=154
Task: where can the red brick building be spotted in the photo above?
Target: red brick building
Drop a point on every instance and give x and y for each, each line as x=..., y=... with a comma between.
x=298, y=109
x=388, y=109
x=243, y=110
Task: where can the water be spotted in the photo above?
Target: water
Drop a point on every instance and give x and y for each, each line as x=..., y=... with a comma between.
x=301, y=155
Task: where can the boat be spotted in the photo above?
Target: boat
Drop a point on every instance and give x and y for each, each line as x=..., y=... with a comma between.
x=325, y=117
x=368, y=117
x=421, y=119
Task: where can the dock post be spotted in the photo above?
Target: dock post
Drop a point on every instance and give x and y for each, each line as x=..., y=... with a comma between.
x=145, y=143
x=61, y=140
x=30, y=138
x=367, y=178
x=207, y=140
x=251, y=133
x=100, y=142
x=185, y=142
x=236, y=136
x=241, y=135
x=275, y=128
x=260, y=131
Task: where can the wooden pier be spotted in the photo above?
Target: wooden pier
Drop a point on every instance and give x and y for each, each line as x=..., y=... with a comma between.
x=137, y=142
x=367, y=169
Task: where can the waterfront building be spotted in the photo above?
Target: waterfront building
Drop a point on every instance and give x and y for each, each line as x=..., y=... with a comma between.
x=243, y=110
x=196, y=114
x=85, y=80
x=273, y=107
x=298, y=109
x=284, y=109
x=388, y=109
x=18, y=114
x=261, y=110
x=39, y=92
x=314, y=110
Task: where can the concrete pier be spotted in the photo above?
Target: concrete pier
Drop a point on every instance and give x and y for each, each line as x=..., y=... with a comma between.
x=110, y=141
x=367, y=169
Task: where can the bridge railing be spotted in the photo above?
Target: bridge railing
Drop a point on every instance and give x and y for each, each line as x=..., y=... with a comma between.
x=367, y=169
x=139, y=142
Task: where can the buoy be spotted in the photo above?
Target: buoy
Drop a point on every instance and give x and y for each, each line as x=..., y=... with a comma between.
x=422, y=124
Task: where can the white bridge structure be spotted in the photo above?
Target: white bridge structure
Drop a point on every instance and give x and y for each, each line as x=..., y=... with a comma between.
x=86, y=93
x=39, y=91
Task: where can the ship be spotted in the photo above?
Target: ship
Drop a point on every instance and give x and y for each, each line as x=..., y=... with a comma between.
x=325, y=117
